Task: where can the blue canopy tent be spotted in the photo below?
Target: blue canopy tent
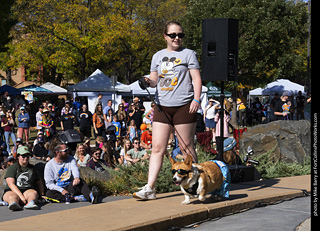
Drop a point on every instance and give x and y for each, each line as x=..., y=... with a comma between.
x=35, y=88
x=10, y=90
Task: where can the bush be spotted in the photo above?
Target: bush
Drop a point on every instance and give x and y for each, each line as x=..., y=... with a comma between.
x=274, y=169
x=128, y=179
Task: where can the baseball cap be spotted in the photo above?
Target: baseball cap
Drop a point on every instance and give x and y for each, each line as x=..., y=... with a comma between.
x=285, y=93
x=10, y=158
x=228, y=144
x=23, y=150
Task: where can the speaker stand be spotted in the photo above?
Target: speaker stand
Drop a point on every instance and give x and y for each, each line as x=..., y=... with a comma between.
x=221, y=121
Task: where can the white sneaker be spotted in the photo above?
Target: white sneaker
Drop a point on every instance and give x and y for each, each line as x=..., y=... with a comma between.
x=145, y=193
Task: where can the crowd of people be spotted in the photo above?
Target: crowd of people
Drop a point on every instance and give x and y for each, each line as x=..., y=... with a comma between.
x=61, y=174
x=133, y=139
x=50, y=119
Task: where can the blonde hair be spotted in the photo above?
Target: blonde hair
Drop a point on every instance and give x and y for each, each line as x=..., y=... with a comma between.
x=99, y=139
x=124, y=145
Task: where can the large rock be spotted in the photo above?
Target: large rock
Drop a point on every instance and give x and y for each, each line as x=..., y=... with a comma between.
x=289, y=141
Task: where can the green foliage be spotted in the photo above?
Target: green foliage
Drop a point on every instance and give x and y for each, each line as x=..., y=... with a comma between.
x=127, y=179
x=271, y=34
x=73, y=38
x=274, y=169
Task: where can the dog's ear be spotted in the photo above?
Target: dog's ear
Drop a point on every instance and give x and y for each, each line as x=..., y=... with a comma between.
x=188, y=160
x=172, y=161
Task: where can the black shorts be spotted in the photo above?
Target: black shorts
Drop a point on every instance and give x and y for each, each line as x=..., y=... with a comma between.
x=8, y=189
x=174, y=115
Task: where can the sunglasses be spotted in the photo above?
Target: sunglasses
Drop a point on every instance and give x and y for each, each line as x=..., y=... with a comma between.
x=97, y=153
x=180, y=172
x=174, y=35
x=64, y=150
x=136, y=142
x=22, y=156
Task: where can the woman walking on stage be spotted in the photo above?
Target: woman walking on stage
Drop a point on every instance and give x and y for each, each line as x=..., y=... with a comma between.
x=175, y=73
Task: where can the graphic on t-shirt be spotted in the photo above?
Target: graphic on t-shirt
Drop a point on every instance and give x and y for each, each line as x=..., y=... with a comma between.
x=285, y=107
x=168, y=76
x=23, y=180
x=64, y=176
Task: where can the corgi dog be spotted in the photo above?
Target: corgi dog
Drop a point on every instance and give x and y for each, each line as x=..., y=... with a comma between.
x=197, y=180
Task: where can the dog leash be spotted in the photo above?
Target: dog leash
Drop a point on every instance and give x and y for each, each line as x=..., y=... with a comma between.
x=144, y=86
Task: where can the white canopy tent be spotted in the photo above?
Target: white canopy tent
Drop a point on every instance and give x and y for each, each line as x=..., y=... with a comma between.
x=98, y=83
x=54, y=88
x=137, y=91
x=278, y=86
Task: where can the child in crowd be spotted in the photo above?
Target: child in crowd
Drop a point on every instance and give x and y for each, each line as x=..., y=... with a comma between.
x=100, y=141
x=132, y=130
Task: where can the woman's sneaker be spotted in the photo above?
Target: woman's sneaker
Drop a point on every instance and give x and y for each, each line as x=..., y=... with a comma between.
x=14, y=206
x=145, y=193
x=31, y=205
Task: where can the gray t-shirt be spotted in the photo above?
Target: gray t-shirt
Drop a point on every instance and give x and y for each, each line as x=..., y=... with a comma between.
x=174, y=86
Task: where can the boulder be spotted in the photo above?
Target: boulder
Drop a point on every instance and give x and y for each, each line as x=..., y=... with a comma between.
x=88, y=173
x=288, y=141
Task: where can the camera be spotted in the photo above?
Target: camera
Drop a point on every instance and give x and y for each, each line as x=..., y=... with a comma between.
x=247, y=158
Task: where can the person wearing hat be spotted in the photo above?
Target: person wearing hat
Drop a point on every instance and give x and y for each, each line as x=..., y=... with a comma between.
x=10, y=160
x=22, y=179
x=282, y=108
x=46, y=123
x=23, y=126
x=229, y=153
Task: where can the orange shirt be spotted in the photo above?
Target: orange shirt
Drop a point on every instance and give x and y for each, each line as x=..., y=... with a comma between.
x=98, y=120
x=146, y=137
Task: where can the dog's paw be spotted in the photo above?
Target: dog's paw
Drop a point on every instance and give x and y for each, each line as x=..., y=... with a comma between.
x=185, y=202
x=201, y=198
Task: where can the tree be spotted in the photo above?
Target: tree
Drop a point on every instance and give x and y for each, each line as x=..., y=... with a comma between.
x=6, y=23
x=73, y=38
x=270, y=35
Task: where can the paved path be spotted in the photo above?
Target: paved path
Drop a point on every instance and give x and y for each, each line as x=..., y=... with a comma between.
x=284, y=216
x=165, y=212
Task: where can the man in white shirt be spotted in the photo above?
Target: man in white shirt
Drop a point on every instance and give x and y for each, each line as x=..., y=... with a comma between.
x=38, y=117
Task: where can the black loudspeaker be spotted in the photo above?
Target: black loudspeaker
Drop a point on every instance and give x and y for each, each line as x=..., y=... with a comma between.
x=70, y=136
x=220, y=49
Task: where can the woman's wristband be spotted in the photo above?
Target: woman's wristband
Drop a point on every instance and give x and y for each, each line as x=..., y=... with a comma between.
x=197, y=101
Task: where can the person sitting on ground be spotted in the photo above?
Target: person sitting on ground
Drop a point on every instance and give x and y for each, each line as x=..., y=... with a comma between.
x=10, y=161
x=39, y=151
x=136, y=154
x=146, y=138
x=99, y=141
x=62, y=178
x=95, y=162
x=230, y=155
x=124, y=149
x=81, y=156
x=22, y=179
x=110, y=155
